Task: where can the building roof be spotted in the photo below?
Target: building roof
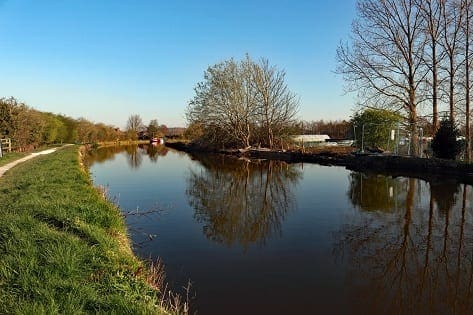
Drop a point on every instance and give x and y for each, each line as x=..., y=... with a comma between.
x=311, y=138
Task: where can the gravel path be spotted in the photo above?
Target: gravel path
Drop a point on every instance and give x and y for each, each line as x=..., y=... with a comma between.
x=8, y=166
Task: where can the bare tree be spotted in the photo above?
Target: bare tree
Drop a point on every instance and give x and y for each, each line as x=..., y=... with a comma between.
x=432, y=14
x=277, y=104
x=385, y=61
x=468, y=11
x=235, y=98
x=134, y=124
x=225, y=103
x=452, y=19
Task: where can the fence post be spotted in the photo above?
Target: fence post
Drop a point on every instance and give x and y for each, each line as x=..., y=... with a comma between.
x=421, y=142
x=354, y=135
x=362, y=138
x=397, y=141
x=1, y=153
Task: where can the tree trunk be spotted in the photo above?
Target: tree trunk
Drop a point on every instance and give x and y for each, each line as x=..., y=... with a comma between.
x=435, y=114
x=413, y=117
x=467, y=82
x=451, y=89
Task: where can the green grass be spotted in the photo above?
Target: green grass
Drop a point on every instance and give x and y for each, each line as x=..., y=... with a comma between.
x=11, y=156
x=63, y=248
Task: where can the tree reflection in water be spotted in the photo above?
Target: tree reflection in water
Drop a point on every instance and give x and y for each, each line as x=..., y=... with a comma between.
x=134, y=153
x=416, y=260
x=372, y=192
x=134, y=156
x=154, y=151
x=241, y=202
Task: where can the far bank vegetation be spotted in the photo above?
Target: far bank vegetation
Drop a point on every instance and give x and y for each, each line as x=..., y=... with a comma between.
x=412, y=57
x=29, y=128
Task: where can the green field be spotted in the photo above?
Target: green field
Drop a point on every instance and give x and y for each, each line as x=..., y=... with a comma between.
x=63, y=248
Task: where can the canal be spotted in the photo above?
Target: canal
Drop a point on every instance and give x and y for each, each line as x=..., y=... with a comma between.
x=267, y=237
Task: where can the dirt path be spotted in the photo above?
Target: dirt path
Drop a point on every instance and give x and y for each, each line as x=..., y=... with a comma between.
x=8, y=166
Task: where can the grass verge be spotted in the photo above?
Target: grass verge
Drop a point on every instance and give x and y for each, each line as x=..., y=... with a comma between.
x=11, y=156
x=63, y=248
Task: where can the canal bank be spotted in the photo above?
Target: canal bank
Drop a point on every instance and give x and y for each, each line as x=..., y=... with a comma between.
x=423, y=168
x=64, y=247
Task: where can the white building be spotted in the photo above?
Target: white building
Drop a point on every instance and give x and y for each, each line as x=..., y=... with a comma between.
x=310, y=140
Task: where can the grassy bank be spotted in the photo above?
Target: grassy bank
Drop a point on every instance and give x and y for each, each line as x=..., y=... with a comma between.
x=11, y=156
x=63, y=248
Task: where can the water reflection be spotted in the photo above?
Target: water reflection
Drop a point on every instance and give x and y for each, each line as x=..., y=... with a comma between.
x=371, y=192
x=155, y=150
x=134, y=153
x=418, y=259
x=444, y=193
x=134, y=156
x=401, y=245
x=241, y=202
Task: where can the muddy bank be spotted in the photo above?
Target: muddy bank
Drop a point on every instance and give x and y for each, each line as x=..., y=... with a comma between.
x=429, y=169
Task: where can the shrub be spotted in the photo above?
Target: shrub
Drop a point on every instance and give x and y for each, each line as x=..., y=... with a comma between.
x=444, y=143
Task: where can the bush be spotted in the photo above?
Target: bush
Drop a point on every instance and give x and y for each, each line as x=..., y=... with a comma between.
x=444, y=143
x=378, y=124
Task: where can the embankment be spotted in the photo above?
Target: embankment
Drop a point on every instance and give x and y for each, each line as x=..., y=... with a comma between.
x=63, y=247
x=423, y=168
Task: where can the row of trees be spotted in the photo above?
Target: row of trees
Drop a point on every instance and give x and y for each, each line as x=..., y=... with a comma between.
x=412, y=56
x=335, y=129
x=29, y=128
x=242, y=103
x=135, y=128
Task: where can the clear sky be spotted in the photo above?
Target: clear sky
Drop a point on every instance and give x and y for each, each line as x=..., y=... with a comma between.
x=107, y=59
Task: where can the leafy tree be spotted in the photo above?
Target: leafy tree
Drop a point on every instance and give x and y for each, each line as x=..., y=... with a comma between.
x=444, y=143
x=374, y=126
x=8, y=112
x=194, y=131
x=28, y=128
x=53, y=130
x=68, y=133
x=153, y=128
x=163, y=129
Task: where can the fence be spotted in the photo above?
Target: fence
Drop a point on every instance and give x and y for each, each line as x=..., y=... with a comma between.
x=394, y=139
x=5, y=145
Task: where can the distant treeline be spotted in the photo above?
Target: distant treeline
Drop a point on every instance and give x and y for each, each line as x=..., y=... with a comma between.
x=29, y=128
x=336, y=129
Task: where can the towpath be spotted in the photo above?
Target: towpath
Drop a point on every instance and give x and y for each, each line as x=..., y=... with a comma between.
x=8, y=166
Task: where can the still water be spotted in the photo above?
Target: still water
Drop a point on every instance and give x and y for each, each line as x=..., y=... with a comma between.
x=266, y=237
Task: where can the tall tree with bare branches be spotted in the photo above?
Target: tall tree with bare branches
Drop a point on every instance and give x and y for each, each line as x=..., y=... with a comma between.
x=277, y=105
x=384, y=61
x=431, y=11
x=452, y=13
x=468, y=8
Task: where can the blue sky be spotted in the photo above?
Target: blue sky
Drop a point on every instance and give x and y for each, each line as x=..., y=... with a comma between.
x=107, y=59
